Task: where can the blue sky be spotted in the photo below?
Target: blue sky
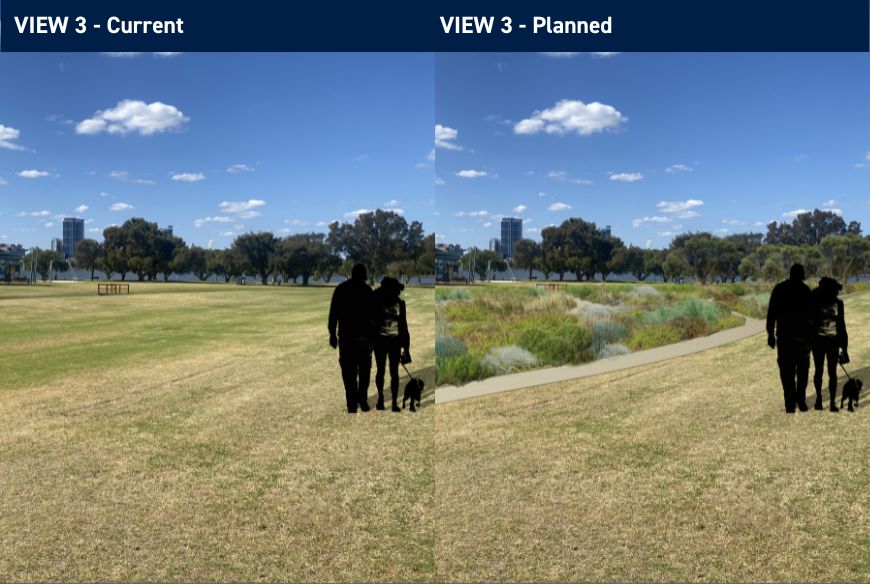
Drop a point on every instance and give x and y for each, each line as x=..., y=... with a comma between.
x=676, y=142
x=213, y=144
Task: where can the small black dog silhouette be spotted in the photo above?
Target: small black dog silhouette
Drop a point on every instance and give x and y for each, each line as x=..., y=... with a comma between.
x=414, y=391
x=851, y=391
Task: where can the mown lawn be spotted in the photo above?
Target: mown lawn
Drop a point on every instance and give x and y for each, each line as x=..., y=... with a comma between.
x=197, y=432
x=686, y=470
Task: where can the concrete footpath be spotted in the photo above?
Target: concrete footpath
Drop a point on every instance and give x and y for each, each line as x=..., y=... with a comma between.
x=449, y=393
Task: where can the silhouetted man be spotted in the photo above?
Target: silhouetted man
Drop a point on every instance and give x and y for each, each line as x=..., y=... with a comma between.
x=351, y=312
x=789, y=316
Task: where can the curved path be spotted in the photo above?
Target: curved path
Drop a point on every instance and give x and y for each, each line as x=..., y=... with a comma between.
x=525, y=379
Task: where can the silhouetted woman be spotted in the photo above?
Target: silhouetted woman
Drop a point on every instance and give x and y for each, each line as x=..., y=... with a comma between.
x=829, y=324
x=391, y=336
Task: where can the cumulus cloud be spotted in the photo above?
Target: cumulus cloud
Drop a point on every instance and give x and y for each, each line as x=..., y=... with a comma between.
x=236, y=168
x=679, y=168
x=81, y=209
x=472, y=173
x=562, y=176
x=240, y=207
x=392, y=203
x=133, y=115
x=653, y=219
x=130, y=55
x=121, y=207
x=678, y=206
x=188, y=176
x=520, y=209
x=445, y=137
x=50, y=224
x=215, y=219
x=570, y=116
x=471, y=213
x=33, y=173
x=733, y=222
x=559, y=207
x=7, y=135
x=357, y=213
x=124, y=176
x=566, y=55
x=626, y=176
x=42, y=213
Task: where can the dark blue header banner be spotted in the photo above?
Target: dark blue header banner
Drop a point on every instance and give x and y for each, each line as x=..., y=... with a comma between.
x=545, y=25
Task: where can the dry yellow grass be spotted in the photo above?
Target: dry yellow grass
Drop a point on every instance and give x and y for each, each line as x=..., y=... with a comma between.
x=197, y=432
x=683, y=471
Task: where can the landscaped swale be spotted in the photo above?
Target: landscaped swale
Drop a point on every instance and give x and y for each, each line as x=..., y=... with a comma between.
x=495, y=329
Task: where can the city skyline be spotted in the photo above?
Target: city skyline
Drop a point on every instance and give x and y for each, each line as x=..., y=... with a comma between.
x=652, y=144
x=214, y=144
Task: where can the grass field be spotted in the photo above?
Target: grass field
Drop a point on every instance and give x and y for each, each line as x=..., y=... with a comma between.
x=686, y=470
x=198, y=432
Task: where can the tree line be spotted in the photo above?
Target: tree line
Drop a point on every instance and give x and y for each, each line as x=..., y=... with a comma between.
x=383, y=240
x=821, y=240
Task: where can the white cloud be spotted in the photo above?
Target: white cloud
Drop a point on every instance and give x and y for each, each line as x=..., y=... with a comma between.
x=121, y=207
x=487, y=223
x=392, y=203
x=472, y=173
x=558, y=175
x=566, y=55
x=33, y=173
x=445, y=138
x=49, y=224
x=357, y=213
x=188, y=176
x=559, y=207
x=733, y=222
x=228, y=233
x=132, y=115
x=679, y=168
x=210, y=243
x=439, y=181
x=626, y=176
x=104, y=194
x=520, y=209
x=42, y=213
x=215, y=219
x=240, y=207
x=2, y=181
x=130, y=55
x=794, y=213
x=124, y=176
x=7, y=135
x=236, y=168
x=568, y=116
x=94, y=230
x=81, y=209
x=653, y=219
x=678, y=206
x=471, y=213
x=829, y=203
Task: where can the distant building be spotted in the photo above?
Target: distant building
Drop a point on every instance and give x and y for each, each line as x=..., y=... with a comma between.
x=494, y=244
x=447, y=261
x=511, y=233
x=166, y=231
x=73, y=233
x=606, y=231
x=57, y=245
x=10, y=256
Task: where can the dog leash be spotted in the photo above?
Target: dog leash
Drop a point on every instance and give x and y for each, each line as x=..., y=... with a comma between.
x=843, y=367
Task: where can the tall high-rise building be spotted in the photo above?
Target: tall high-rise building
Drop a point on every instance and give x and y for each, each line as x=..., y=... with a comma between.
x=57, y=245
x=166, y=231
x=511, y=233
x=606, y=231
x=73, y=233
x=494, y=244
